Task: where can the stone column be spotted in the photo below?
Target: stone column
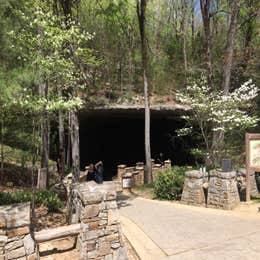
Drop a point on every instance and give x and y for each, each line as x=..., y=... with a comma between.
x=156, y=168
x=223, y=192
x=16, y=241
x=193, y=193
x=139, y=164
x=241, y=176
x=101, y=236
x=139, y=176
x=167, y=164
x=120, y=171
x=152, y=162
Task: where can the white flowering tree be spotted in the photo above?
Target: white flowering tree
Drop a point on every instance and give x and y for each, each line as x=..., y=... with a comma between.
x=215, y=112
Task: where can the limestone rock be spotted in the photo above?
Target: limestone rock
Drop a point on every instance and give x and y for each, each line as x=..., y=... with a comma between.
x=18, y=231
x=111, y=205
x=3, y=240
x=112, y=216
x=115, y=245
x=13, y=254
x=91, y=197
x=104, y=248
x=16, y=215
x=108, y=257
x=13, y=245
x=2, y=221
x=111, y=229
x=91, y=211
x=32, y=257
x=28, y=244
x=120, y=254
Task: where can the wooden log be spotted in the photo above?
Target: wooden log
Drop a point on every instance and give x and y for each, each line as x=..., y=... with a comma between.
x=55, y=233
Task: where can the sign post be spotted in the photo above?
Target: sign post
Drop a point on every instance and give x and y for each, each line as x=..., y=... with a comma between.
x=252, y=158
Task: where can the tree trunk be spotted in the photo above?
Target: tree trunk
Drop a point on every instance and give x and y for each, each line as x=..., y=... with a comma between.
x=68, y=154
x=34, y=157
x=250, y=23
x=205, y=11
x=192, y=22
x=230, y=47
x=61, y=135
x=141, y=9
x=44, y=132
x=2, y=150
x=218, y=136
x=75, y=146
x=183, y=28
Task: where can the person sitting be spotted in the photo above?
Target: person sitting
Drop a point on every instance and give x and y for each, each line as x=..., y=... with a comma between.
x=91, y=173
x=99, y=172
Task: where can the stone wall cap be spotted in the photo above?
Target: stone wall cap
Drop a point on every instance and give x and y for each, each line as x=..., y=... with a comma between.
x=91, y=192
x=194, y=174
x=223, y=175
x=121, y=166
x=129, y=169
x=15, y=215
x=128, y=174
x=139, y=164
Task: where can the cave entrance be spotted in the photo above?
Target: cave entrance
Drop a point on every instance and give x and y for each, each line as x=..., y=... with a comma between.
x=117, y=137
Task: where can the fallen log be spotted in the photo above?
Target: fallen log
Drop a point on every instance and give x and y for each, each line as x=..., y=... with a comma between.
x=55, y=233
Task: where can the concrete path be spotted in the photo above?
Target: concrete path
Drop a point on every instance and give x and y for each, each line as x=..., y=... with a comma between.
x=165, y=230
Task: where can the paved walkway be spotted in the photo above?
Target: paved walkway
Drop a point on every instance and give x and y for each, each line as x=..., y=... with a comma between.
x=165, y=230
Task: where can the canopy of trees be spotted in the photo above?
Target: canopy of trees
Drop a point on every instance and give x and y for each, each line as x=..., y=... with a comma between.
x=57, y=55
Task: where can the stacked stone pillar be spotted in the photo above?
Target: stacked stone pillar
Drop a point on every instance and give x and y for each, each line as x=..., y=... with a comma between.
x=120, y=171
x=167, y=164
x=155, y=169
x=193, y=193
x=101, y=236
x=16, y=241
x=241, y=178
x=139, y=176
x=223, y=192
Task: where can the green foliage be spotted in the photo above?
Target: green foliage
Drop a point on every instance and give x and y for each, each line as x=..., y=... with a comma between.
x=45, y=197
x=145, y=186
x=169, y=183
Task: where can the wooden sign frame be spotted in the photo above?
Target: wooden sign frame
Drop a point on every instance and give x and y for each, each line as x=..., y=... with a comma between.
x=252, y=164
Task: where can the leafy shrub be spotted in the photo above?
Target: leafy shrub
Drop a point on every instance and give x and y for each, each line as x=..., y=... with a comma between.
x=45, y=197
x=169, y=183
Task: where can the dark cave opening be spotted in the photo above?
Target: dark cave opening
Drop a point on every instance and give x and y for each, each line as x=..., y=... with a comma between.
x=117, y=137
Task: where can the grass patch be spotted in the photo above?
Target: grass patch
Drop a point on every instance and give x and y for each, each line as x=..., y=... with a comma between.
x=256, y=199
x=144, y=187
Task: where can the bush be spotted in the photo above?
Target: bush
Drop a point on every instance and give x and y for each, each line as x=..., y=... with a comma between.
x=45, y=197
x=169, y=183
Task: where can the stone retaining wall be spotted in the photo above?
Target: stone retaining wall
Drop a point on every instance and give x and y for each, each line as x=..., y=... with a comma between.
x=16, y=241
x=223, y=191
x=101, y=236
x=193, y=193
x=138, y=171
